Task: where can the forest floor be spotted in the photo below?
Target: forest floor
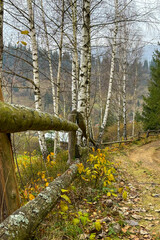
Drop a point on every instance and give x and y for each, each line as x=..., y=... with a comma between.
x=141, y=167
x=131, y=212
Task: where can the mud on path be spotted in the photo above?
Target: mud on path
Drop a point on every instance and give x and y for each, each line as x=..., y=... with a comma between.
x=140, y=166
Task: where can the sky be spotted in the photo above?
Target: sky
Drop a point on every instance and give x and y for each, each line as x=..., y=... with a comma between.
x=149, y=24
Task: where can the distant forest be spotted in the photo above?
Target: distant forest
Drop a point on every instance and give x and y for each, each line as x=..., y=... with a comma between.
x=18, y=71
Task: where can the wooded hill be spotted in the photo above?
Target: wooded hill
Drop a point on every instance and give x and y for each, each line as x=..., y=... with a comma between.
x=17, y=66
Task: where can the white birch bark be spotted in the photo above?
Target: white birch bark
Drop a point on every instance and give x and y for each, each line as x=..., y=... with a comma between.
x=82, y=98
x=1, y=42
x=83, y=79
x=49, y=58
x=114, y=46
x=37, y=94
x=100, y=92
x=119, y=110
x=134, y=100
x=59, y=76
x=124, y=68
x=88, y=130
x=124, y=96
x=75, y=63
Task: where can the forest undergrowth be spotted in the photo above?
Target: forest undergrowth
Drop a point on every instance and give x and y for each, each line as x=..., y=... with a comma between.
x=101, y=203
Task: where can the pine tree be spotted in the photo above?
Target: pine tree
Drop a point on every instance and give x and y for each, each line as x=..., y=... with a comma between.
x=151, y=106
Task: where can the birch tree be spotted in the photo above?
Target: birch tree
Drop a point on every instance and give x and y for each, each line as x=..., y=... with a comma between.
x=124, y=95
x=37, y=93
x=85, y=48
x=59, y=73
x=114, y=46
x=49, y=58
x=75, y=62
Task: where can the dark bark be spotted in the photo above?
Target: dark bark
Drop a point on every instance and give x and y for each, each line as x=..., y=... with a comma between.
x=72, y=139
x=9, y=196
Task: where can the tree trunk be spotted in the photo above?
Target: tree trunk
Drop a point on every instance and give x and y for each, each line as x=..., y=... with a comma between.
x=119, y=110
x=134, y=100
x=100, y=91
x=23, y=222
x=124, y=87
x=114, y=46
x=9, y=196
x=88, y=130
x=16, y=118
x=37, y=94
x=82, y=98
x=83, y=81
x=49, y=58
x=72, y=139
x=75, y=63
x=56, y=140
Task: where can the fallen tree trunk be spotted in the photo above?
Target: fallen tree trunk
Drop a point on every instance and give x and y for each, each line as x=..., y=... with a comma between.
x=16, y=118
x=22, y=223
x=110, y=143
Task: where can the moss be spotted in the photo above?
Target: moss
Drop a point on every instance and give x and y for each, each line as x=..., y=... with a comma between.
x=18, y=118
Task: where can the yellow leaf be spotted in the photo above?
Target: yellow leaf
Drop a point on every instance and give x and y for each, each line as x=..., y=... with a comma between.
x=47, y=184
x=88, y=172
x=66, y=198
x=76, y=221
x=92, y=236
x=64, y=190
x=80, y=168
x=124, y=195
x=98, y=225
x=115, y=195
x=105, y=170
x=52, y=154
x=110, y=177
x=93, y=176
x=63, y=206
x=104, y=184
x=96, y=166
x=108, y=194
x=31, y=197
x=52, y=163
x=43, y=176
x=24, y=43
x=109, y=182
x=120, y=190
x=48, y=158
x=25, y=32
x=17, y=42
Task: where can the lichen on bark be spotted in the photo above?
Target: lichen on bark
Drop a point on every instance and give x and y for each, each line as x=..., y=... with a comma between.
x=22, y=223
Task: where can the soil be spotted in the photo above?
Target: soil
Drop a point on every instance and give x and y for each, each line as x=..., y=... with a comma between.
x=140, y=166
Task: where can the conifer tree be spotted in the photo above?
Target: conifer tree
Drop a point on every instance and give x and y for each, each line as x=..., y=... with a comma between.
x=151, y=106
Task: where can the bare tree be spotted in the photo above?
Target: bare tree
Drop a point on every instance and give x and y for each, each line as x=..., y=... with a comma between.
x=114, y=46
x=59, y=72
x=37, y=94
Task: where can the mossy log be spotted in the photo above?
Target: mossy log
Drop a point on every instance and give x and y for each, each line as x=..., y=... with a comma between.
x=22, y=223
x=16, y=118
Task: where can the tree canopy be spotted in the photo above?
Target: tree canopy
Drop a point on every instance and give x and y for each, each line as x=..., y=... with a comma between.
x=151, y=106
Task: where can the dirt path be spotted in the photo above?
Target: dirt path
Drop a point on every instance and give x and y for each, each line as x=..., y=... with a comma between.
x=141, y=168
x=148, y=155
